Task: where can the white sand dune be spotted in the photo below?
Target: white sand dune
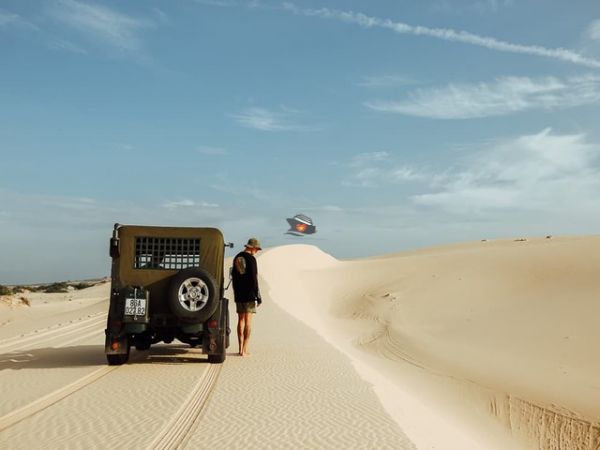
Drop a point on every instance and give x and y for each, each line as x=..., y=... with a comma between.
x=489, y=345
x=492, y=344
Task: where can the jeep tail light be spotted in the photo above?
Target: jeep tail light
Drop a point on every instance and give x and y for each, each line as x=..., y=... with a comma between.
x=115, y=345
x=212, y=324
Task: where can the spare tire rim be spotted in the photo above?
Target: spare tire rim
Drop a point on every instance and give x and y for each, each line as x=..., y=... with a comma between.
x=193, y=294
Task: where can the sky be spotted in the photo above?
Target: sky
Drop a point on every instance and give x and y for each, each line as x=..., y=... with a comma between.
x=393, y=124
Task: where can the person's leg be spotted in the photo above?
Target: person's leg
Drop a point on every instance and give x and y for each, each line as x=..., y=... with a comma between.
x=240, y=331
x=247, y=331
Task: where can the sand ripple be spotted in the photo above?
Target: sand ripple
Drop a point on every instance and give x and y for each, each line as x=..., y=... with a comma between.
x=294, y=391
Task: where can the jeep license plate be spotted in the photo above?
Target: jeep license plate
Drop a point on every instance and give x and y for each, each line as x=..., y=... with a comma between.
x=135, y=306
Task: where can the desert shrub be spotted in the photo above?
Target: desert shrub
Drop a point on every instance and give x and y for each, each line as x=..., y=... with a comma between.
x=18, y=289
x=80, y=286
x=56, y=287
x=5, y=290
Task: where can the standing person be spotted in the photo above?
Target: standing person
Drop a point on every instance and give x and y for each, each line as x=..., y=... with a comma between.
x=245, y=289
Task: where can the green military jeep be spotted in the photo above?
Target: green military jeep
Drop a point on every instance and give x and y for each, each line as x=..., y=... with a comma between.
x=167, y=283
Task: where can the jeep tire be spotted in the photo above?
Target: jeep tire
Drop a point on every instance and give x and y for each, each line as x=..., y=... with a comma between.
x=143, y=342
x=192, y=295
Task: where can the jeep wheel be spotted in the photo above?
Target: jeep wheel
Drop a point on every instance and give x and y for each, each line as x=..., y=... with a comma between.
x=193, y=295
x=143, y=343
x=217, y=359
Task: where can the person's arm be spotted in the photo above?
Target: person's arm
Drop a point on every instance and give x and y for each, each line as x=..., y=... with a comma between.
x=254, y=277
x=258, y=297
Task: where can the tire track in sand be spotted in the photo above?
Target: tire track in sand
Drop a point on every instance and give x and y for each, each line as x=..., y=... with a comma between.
x=57, y=395
x=32, y=339
x=20, y=413
x=50, y=399
x=295, y=391
x=176, y=432
x=125, y=408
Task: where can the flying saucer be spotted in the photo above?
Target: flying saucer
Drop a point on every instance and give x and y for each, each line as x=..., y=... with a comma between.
x=301, y=225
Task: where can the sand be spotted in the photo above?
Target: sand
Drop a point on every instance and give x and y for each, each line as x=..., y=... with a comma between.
x=294, y=391
x=492, y=342
x=482, y=345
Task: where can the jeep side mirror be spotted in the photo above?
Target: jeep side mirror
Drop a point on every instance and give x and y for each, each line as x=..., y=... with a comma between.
x=114, y=242
x=114, y=247
x=229, y=244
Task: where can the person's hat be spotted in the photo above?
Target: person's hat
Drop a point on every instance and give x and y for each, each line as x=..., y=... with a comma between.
x=253, y=243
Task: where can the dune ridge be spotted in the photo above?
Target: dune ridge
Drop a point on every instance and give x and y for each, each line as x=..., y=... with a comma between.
x=495, y=339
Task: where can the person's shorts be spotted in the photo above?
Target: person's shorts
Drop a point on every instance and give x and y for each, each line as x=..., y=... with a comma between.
x=245, y=307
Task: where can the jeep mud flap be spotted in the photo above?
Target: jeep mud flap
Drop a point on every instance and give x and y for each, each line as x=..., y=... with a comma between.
x=116, y=344
x=216, y=341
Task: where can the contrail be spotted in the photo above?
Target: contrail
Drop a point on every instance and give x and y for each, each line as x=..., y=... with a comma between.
x=445, y=34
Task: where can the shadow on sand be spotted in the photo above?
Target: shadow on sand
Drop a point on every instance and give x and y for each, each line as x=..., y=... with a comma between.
x=93, y=355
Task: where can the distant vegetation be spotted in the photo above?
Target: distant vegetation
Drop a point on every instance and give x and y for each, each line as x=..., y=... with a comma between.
x=20, y=289
x=4, y=290
x=52, y=288
x=55, y=287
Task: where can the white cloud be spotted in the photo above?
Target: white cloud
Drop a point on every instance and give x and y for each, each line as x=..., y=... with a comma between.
x=504, y=96
x=9, y=19
x=480, y=6
x=445, y=34
x=70, y=203
x=366, y=177
x=67, y=46
x=531, y=179
x=541, y=172
x=374, y=169
x=325, y=208
x=221, y=3
x=485, y=6
x=211, y=151
x=405, y=174
x=125, y=146
x=231, y=3
x=102, y=23
x=266, y=120
x=264, y=196
x=593, y=31
x=362, y=159
x=42, y=210
x=186, y=203
x=382, y=81
x=160, y=15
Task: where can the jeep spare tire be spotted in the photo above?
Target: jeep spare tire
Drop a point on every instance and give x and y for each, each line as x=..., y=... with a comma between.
x=193, y=295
